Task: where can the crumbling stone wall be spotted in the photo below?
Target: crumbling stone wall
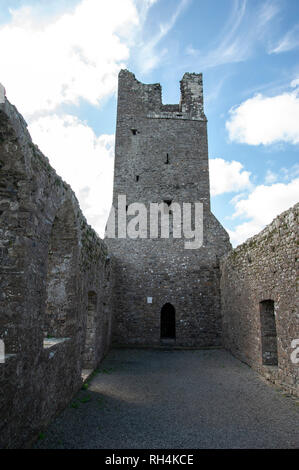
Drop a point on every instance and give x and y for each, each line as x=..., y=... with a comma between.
x=260, y=275
x=50, y=261
x=161, y=154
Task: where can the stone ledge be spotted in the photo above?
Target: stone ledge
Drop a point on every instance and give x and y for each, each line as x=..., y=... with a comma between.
x=174, y=115
x=51, y=342
x=6, y=357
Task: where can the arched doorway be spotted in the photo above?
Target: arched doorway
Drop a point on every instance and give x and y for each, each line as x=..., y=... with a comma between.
x=168, y=321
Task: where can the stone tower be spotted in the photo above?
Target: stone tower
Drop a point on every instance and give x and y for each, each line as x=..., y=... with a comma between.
x=164, y=292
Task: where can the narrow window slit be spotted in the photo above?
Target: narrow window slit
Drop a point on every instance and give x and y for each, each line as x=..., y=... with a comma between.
x=268, y=333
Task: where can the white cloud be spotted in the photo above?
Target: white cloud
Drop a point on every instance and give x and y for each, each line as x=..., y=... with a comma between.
x=266, y=120
x=226, y=49
x=243, y=231
x=226, y=177
x=236, y=41
x=77, y=54
x=262, y=206
x=288, y=42
x=82, y=159
x=282, y=175
x=53, y=59
x=48, y=61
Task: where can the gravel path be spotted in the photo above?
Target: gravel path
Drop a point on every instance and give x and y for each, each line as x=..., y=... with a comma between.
x=175, y=399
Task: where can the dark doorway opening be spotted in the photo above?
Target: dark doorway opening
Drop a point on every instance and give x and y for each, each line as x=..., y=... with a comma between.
x=268, y=332
x=168, y=321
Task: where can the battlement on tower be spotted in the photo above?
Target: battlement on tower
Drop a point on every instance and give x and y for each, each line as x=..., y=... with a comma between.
x=136, y=98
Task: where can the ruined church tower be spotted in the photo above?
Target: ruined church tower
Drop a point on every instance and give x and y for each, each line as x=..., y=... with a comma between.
x=165, y=293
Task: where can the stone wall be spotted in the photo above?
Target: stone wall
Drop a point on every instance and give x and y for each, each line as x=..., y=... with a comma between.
x=59, y=285
x=55, y=287
x=161, y=154
x=259, y=291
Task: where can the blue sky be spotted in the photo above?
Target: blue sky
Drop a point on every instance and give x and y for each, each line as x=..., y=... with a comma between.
x=59, y=64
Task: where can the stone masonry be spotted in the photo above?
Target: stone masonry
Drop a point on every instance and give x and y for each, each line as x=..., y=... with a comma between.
x=65, y=293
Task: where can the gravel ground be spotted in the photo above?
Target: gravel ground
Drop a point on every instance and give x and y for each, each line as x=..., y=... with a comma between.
x=147, y=399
